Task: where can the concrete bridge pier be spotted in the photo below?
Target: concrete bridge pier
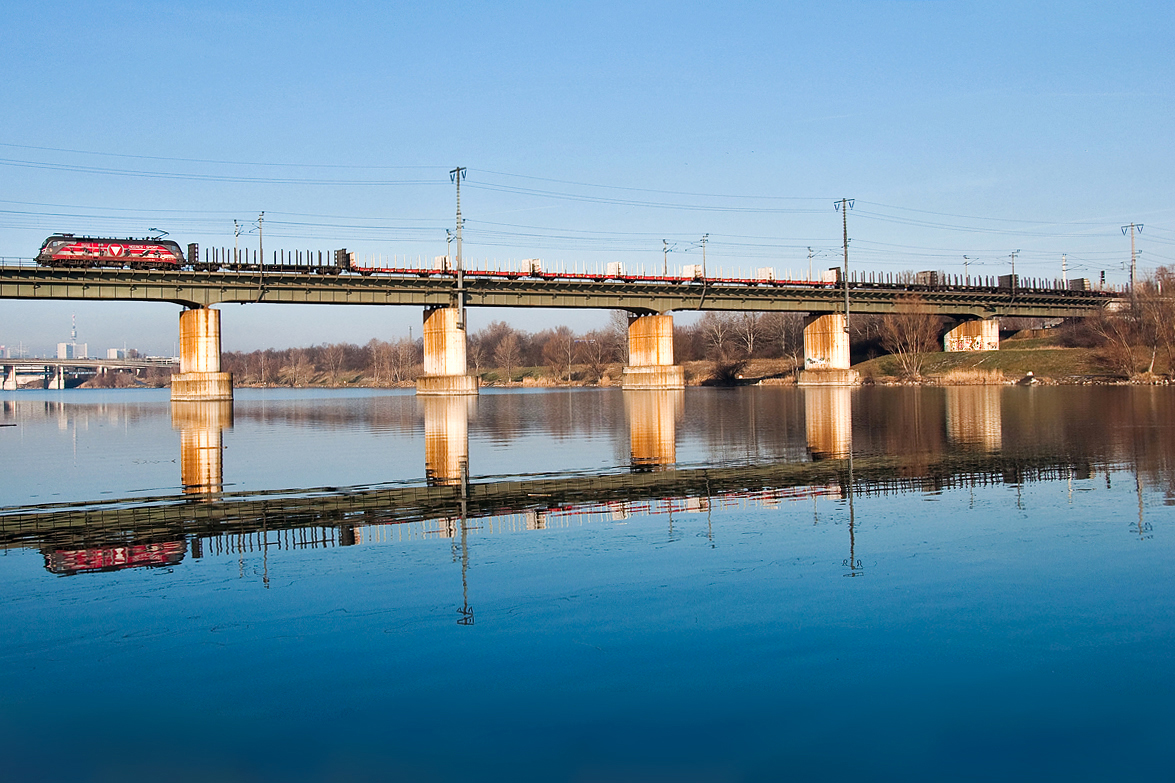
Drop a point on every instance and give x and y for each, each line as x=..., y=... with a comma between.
x=10, y=378
x=826, y=352
x=55, y=377
x=978, y=335
x=200, y=378
x=650, y=354
x=445, y=370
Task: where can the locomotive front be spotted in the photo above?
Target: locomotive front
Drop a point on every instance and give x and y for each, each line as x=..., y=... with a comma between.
x=67, y=250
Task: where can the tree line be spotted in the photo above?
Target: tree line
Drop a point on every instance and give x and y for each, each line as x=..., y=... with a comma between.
x=1131, y=340
x=500, y=352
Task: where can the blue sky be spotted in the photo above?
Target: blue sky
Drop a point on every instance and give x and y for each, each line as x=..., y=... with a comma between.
x=959, y=128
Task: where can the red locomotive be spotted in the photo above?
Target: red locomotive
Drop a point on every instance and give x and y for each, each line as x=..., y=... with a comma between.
x=67, y=250
x=80, y=561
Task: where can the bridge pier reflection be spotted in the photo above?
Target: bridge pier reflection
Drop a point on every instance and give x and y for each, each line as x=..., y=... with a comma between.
x=650, y=354
x=652, y=426
x=975, y=416
x=446, y=464
x=201, y=426
x=828, y=419
x=446, y=439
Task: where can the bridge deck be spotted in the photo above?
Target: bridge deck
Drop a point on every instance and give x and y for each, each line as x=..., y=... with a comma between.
x=192, y=288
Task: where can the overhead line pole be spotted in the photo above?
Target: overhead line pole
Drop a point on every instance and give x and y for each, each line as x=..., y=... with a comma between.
x=844, y=205
x=1013, y=254
x=456, y=175
x=261, y=248
x=666, y=248
x=1133, y=256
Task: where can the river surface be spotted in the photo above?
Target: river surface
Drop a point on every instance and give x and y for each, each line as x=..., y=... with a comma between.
x=715, y=585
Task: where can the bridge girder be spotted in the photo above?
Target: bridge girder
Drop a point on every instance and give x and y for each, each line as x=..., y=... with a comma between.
x=199, y=289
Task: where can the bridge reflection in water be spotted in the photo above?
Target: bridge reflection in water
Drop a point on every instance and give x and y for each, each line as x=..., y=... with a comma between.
x=102, y=535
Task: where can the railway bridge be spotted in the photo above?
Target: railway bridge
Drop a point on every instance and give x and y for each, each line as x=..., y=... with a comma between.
x=650, y=301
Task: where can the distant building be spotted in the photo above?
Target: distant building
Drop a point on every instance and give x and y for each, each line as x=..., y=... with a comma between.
x=115, y=353
x=72, y=350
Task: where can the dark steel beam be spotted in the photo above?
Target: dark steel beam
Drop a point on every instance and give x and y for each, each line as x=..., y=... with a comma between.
x=195, y=289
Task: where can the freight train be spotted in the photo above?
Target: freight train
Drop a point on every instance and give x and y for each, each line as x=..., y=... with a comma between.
x=68, y=250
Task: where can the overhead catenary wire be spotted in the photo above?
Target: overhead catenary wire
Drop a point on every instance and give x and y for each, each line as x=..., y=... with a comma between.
x=490, y=234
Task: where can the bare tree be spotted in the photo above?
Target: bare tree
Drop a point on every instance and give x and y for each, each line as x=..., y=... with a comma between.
x=559, y=352
x=403, y=359
x=506, y=354
x=1155, y=316
x=489, y=337
x=786, y=331
x=1120, y=335
x=475, y=352
x=299, y=370
x=263, y=367
x=718, y=330
x=909, y=332
x=334, y=355
x=618, y=333
x=596, y=350
x=747, y=328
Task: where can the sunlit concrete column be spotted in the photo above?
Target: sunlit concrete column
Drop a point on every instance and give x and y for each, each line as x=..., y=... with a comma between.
x=826, y=352
x=979, y=335
x=200, y=378
x=650, y=354
x=58, y=380
x=652, y=426
x=201, y=426
x=828, y=419
x=445, y=371
x=10, y=378
x=975, y=417
x=446, y=438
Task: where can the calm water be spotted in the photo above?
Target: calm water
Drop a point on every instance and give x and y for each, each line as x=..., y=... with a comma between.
x=716, y=585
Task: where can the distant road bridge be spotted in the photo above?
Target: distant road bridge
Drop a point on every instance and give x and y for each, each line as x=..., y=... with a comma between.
x=54, y=371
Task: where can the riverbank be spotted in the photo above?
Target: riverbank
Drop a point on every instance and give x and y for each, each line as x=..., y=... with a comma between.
x=1041, y=359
